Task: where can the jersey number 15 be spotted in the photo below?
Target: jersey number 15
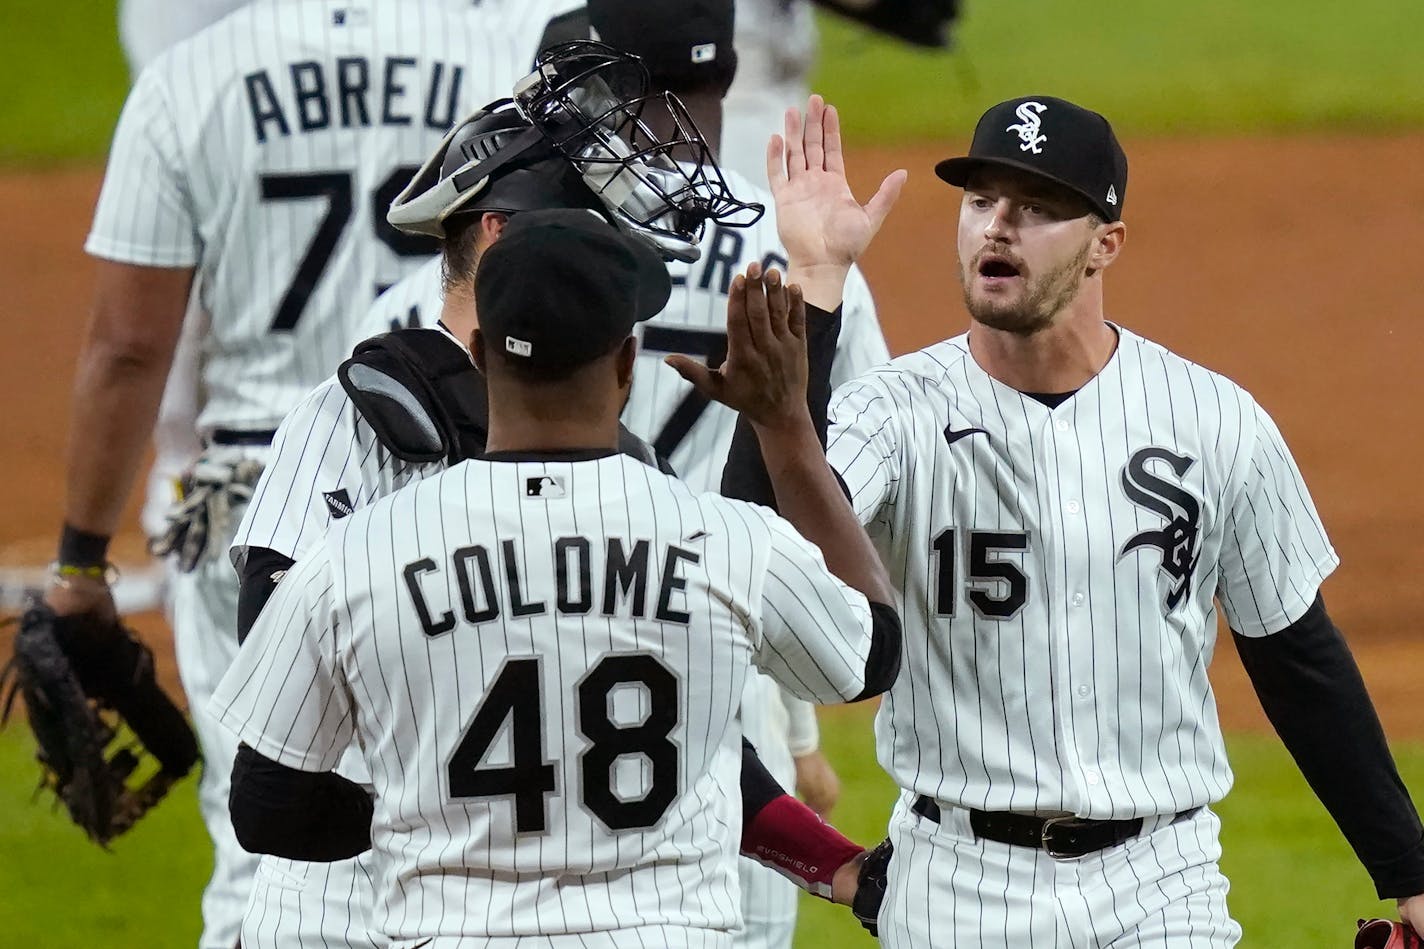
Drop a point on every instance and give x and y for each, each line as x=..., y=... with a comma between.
x=994, y=586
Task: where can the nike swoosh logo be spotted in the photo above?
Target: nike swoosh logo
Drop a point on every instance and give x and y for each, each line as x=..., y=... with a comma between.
x=951, y=436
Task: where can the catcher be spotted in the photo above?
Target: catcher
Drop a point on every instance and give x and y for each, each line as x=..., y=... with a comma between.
x=95, y=706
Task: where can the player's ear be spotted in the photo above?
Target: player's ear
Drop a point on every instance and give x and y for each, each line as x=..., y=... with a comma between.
x=627, y=355
x=1108, y=238
x=477, y=349
x=492, y=225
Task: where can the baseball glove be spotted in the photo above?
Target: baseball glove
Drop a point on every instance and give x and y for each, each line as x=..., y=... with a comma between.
x=870, y=891
x=1386, y=934
x=84, y=680
x=212, y=495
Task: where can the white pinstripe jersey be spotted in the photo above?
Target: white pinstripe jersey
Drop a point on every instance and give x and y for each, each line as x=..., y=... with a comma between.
x=541, y=662
x=1057, y=570
x=663, y=408
x=264, y=151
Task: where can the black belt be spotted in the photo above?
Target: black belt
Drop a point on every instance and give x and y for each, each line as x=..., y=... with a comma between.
x=233, y=436
x=1061, y=837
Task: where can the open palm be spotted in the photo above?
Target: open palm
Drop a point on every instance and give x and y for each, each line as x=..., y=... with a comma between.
x=819, y=220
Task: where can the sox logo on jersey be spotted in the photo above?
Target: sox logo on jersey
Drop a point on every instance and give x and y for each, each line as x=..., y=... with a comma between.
x=1058, y=563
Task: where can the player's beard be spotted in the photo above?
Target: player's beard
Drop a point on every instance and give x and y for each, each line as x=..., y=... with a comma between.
x=1042, y=300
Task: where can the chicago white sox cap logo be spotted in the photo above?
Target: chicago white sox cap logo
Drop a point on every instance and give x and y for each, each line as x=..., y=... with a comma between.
x=1028, y=128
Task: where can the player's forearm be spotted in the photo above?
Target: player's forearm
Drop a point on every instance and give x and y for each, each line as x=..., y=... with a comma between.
x=115, y=402
x=809, y=496
x=1311, y=690
x=118, y=386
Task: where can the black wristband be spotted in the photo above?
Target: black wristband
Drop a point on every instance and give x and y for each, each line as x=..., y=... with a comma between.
x=79, y=548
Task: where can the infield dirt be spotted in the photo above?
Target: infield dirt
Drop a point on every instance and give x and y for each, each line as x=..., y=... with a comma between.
x=1294, y=266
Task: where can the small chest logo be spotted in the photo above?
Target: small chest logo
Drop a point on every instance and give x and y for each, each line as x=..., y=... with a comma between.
x=544, y=486
x=338, y=503
x=1179, y=540
x=1029, y=127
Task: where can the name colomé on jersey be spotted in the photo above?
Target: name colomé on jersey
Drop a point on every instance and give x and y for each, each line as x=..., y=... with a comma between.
x=561, y=573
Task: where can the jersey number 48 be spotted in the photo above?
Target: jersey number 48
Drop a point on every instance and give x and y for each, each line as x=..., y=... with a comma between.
x=516, y=697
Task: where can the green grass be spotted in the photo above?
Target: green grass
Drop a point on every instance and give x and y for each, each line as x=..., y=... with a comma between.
x=61, y=891
x=1153, y=66
x=65, y=81
x=1294, y=881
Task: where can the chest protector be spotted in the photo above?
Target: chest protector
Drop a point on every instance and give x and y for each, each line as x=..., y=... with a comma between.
x=426, y=401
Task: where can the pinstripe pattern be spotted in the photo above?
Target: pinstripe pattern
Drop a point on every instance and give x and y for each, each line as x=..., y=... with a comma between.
x=184, y=182
x=1088, y=694
x=699, y=304
x=340, y=654
x=206, y=124
x=948, y=889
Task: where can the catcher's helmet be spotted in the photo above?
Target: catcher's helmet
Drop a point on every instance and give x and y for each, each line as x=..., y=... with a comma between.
x=576, y=125
x=593, y=104
x=492, y=161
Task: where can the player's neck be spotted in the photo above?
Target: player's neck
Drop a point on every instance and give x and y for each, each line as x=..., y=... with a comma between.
x=551, y=416
x=459, y=316
x=1062, y=358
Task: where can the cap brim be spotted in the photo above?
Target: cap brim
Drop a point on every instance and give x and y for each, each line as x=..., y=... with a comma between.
x=956, y=171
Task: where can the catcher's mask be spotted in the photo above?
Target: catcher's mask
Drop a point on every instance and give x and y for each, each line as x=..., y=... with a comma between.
x=592, y=103
x=584, y=107
x=494, y=160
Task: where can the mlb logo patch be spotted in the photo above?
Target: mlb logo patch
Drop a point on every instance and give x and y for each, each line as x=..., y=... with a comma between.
x=338, y=503
x=518, y=347
x=704, y=52
x=544, y=486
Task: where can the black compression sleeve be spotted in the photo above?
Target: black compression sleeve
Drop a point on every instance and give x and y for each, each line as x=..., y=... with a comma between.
x=882, y=666
x=299, y=815
x=257, y=578
x=744, y=475
x=1311, y=690
x=759, y=788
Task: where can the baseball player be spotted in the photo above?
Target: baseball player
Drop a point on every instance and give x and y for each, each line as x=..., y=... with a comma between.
x=540, y=654
x=338, y=451
x=665, y=410
x=1062, y=504
x=688, y=50
x=253, y=158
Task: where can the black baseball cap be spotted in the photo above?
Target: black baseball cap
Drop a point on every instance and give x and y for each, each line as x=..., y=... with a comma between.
x=1054, y=139
x=683, y=42
x=561, y=288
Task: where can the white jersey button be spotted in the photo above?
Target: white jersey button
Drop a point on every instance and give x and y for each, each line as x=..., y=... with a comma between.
x=1092, y=778
x=1062, y=425
x=1078, y=599
x=1084, y=691
x=1073, y=507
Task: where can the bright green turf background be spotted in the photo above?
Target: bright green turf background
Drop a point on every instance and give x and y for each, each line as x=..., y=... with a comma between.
x=1155, y=66
x=1294, y=881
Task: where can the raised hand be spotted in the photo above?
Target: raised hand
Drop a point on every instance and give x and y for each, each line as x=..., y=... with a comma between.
x=765, y=372
x=821, y=224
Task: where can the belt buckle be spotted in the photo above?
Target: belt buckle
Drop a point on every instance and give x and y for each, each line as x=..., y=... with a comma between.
x=1043, y=837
